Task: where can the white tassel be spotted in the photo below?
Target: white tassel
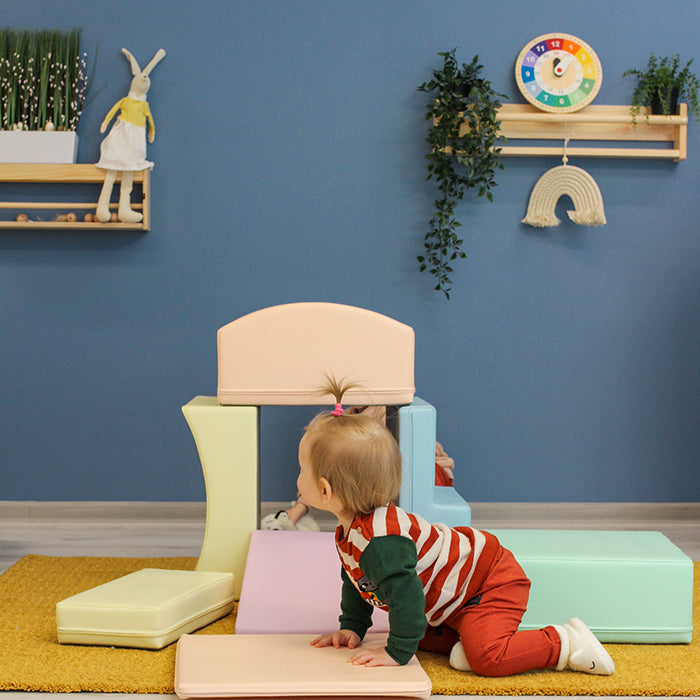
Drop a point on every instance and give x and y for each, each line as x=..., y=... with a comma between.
x=574, y=182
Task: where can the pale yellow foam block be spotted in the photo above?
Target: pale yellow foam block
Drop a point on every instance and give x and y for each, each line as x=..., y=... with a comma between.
x=279, y=665
x=147, y=609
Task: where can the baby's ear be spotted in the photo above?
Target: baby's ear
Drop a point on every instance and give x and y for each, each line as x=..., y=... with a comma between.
x=326, y=489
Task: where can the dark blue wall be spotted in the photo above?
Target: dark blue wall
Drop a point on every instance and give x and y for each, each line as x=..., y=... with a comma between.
x=289, y=167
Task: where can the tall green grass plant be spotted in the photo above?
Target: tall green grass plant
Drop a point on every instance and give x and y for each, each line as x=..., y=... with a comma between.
x=43, y=79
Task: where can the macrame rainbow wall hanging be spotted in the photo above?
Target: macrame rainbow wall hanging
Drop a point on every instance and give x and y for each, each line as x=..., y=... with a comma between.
x=572, y=181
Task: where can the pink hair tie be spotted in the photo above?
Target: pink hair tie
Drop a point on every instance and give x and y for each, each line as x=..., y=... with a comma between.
x=338, y=410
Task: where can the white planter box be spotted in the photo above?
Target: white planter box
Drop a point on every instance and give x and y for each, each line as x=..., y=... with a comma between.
x=38, y=146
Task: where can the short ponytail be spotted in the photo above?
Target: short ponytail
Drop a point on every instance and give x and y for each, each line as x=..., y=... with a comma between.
x=356, y=454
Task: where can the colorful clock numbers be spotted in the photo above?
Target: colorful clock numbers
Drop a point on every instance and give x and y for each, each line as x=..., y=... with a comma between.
x=558, y=73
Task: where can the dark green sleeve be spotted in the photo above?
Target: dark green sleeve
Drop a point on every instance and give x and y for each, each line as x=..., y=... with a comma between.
x=390, y=563
x=355, y=613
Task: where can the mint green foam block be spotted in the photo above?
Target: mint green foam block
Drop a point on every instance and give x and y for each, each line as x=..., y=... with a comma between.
x=628, y=587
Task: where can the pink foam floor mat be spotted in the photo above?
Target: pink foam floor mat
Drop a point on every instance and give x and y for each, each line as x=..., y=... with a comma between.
x=292, y=585
x=273, y=665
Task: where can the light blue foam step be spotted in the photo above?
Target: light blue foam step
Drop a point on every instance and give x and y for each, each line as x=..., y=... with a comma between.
x=417, y=435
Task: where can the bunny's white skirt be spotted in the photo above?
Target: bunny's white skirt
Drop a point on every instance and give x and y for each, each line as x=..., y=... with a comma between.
x=124, y=148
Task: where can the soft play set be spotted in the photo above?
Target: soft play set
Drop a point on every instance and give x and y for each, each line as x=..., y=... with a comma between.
x=627, y=586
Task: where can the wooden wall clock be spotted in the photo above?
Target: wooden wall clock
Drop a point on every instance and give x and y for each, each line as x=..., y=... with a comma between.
x=558, y=73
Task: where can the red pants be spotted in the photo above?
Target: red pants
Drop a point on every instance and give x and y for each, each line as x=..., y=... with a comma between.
x=487, y=626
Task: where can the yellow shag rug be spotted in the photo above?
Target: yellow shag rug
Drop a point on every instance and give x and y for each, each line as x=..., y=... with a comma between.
x=31, y=658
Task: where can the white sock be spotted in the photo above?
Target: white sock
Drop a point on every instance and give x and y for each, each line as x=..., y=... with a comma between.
x=565, y=648
x=458, y=658
x=581, y=651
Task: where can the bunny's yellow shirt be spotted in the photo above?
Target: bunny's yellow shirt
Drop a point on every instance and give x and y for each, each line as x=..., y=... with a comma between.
x=133, y=111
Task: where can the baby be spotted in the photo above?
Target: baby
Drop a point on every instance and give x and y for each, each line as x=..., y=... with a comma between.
x=455, y=591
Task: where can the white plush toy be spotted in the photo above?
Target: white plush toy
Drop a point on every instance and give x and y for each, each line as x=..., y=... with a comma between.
x=124, y=148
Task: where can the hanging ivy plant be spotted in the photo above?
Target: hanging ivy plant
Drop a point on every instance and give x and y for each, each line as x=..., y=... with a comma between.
x=464, y=154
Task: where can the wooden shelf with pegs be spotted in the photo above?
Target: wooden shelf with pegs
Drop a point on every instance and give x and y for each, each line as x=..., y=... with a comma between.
x=599, y=123
x=57, y=174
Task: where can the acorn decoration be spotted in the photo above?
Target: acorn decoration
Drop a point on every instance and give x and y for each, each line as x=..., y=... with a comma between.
x=70, y=218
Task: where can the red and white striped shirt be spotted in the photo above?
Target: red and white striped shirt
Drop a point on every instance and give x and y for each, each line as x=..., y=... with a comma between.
x=452, y=562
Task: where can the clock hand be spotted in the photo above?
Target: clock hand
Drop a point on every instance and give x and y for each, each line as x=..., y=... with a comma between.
x=560, y=65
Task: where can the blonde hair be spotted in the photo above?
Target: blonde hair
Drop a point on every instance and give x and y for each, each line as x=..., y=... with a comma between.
x=356, y=454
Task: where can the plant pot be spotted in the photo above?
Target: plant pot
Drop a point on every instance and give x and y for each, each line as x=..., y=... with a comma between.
x=463, y=90
x=656, y=105
x=38, y=146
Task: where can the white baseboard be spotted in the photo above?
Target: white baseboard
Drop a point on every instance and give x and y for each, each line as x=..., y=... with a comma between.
x=484, y=515
x=102, y=510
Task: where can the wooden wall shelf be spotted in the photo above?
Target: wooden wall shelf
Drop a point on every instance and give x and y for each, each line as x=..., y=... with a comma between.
x=599, y=123
x=55, y=174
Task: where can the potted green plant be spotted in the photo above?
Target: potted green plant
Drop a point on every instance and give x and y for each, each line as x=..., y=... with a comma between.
x=661, y=84
x=43, y=90
x=464, y=154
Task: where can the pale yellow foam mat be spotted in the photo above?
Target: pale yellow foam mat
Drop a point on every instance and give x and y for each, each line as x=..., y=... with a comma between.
x=278, y=665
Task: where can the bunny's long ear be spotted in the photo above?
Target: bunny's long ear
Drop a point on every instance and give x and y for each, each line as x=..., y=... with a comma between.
x=135, y=69
x=160, y=55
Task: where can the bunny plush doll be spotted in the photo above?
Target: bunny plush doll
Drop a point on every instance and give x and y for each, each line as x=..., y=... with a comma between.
x=124, y=148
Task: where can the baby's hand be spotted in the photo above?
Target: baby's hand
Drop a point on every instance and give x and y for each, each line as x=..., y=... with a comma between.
x=341, y=638
x=373, y=657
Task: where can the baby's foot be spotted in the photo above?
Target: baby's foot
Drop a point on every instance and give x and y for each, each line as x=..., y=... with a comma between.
x=458, y=658
x=581, y=651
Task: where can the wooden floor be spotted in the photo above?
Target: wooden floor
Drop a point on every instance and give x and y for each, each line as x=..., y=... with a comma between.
x=152, y=530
